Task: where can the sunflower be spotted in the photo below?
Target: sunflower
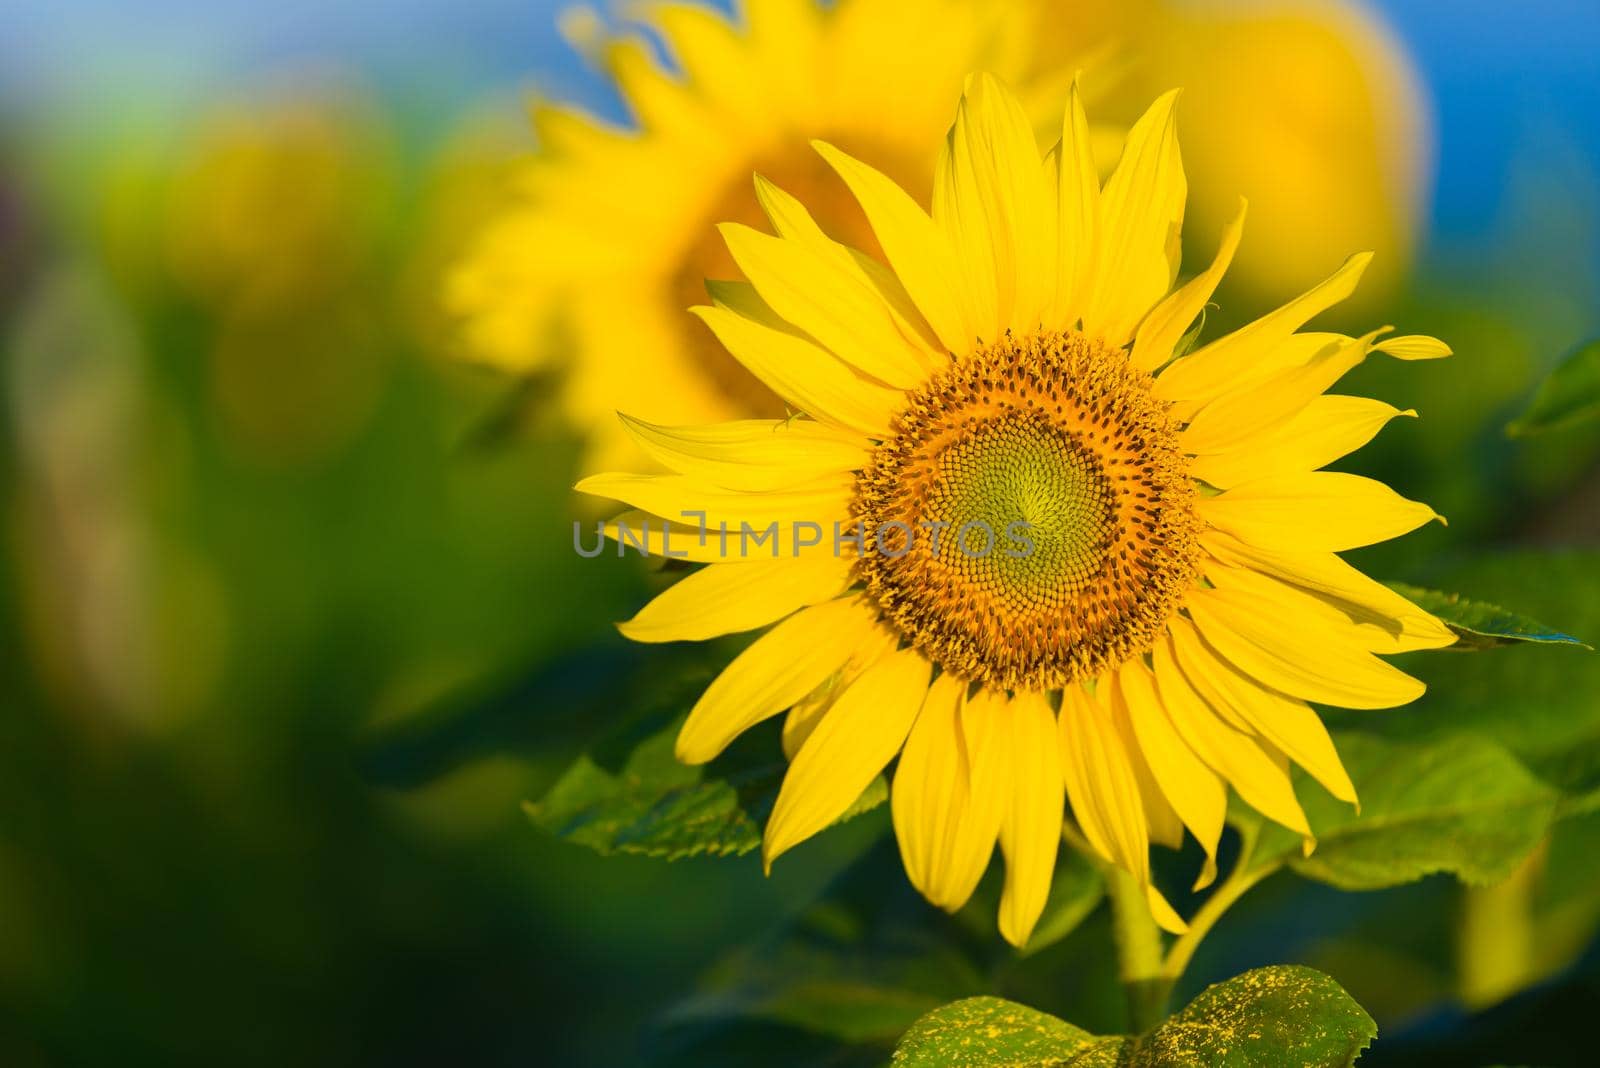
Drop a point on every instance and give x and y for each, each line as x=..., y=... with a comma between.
x=1019, y=538
x=610, y=234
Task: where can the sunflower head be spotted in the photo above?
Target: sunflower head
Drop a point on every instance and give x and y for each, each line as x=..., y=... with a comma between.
x=1067, y=564
x=1032, y=513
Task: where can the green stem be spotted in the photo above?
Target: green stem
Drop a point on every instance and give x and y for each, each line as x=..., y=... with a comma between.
x=1138, y=951
x=1236, y=885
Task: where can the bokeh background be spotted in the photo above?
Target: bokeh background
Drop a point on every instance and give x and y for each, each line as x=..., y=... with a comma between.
x=292, y=625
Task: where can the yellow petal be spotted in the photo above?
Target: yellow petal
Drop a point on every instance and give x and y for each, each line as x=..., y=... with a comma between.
x=752, y=454
x=1193, y=791
x=1166, y=324
x=989, y=197
x=1317, y=511
x=1100, y=783
x=856, y=739
x=1414, y=347
x=804, y=374
x=1393, y=624
x=1228, y=423
x=831, y=302
x=945, y=831
x=1327, y=428
x=1234, y=754
x=1237, y=359
x=965, y=219
x=688, y=501
x=735, y=597
x=1288, y=724
x=1162, y=823
x=857, y=272
x=1141, y=214
x=803, y=718
x=1078, y=213
x=1282, y=643
x=1030, y=825
x=914, y=246
x=778, y=669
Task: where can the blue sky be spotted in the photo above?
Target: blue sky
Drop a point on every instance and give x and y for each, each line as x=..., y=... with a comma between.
x=1511, y=81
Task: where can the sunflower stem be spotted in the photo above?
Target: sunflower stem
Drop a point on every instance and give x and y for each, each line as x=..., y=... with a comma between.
x=1139, y=951
x=1239, y=881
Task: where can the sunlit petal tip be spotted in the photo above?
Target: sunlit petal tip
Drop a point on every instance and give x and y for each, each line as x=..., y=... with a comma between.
x=1415, y=347
x=1308, y=845
x=1166, y=916
x=1207, y=876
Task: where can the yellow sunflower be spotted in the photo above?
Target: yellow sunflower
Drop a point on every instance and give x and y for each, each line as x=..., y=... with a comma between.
x=610, y=235
x=1016, y=538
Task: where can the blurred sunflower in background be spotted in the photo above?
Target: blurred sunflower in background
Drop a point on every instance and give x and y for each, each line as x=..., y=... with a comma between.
x=1087, y=566
x=610, y=236
x=1309, y=108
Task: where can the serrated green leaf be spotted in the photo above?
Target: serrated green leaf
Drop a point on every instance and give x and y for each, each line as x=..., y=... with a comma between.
x=989, y=1032
x=1568, y=397
x=1481, y=625
x=1282, y=1015
x=1459, y=804
x=641, y=800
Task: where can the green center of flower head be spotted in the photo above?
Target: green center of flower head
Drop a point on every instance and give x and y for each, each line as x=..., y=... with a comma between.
x=1029, y=511
x=1031, y=521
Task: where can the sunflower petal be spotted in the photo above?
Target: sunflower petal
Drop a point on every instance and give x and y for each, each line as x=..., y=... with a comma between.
x=856, y=739
x=1317, y=511
x=914, y=246
x=1233, y=754
x=1078, y=213
x=1395, y=625
x=774, y=672
x=735, y=597
x=1288, y=724
x=1327, y=428
x=1100, y=783
x=751, y=454
x=1141, y=212
x=1237, y=358
x=804, y=374
x=1309, y=659
x=828, y=298
x=1233, y=419
x=1030, y=826
x=1193, y=791
x=803, y=718
x=1414, y=347
x=1164, y=327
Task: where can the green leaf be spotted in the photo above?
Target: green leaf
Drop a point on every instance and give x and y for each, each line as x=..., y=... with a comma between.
x=1282, y=1015
x=1568, y=397
x=1459, y=804
x=984, y=1032
x=630, y=794
x=1480, y=625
